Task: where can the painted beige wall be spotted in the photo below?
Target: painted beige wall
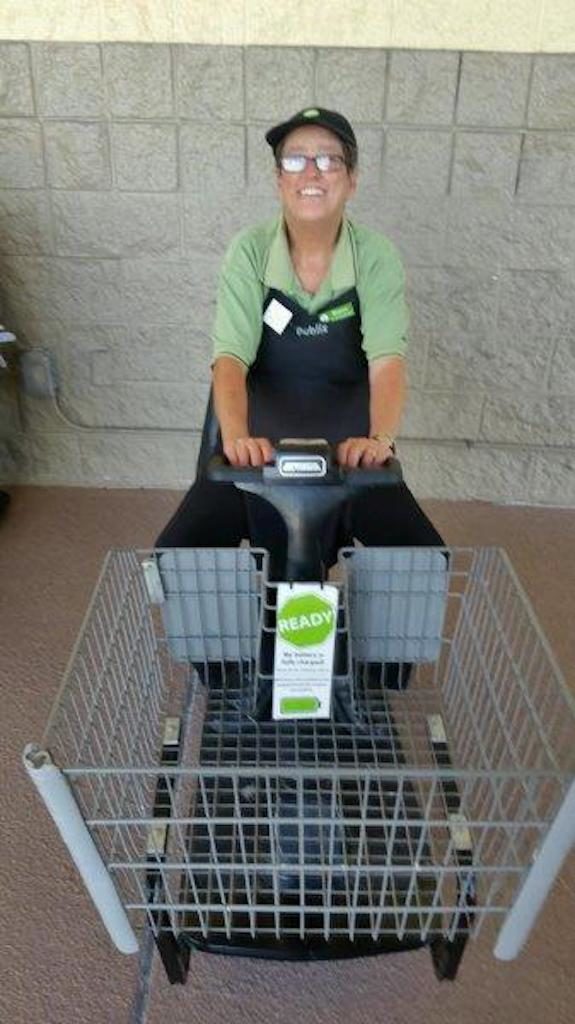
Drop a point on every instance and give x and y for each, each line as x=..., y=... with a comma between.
x=511, y=25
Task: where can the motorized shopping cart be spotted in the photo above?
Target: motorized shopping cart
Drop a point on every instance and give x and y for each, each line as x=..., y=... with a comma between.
x=438, y=795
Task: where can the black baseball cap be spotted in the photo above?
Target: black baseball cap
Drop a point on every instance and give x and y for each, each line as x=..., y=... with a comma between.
x=330, y=119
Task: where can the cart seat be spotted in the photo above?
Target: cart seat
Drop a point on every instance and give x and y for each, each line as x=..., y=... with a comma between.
x=210, y=441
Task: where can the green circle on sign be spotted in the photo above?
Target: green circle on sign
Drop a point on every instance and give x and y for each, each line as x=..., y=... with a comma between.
x=312, y=112
x=305, y=620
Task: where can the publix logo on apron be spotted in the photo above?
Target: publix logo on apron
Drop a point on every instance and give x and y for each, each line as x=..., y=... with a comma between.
x=331, y=316
x=313, y=331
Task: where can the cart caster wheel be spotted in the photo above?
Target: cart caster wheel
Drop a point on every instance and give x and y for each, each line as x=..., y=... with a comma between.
x=174, y=954
x=446, y=957
x=4, y=502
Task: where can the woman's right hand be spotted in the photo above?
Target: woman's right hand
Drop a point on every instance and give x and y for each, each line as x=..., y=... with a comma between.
x=248, y=451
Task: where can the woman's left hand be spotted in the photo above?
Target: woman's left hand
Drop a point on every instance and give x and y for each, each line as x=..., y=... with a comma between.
x=364, y=451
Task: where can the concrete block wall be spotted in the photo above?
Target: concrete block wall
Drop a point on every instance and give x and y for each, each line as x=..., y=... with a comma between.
x=125, y=168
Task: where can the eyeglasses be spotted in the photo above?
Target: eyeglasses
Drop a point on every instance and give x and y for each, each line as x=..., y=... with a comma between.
x=326, y=163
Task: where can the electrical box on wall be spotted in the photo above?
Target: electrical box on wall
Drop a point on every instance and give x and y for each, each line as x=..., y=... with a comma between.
x=38, y=375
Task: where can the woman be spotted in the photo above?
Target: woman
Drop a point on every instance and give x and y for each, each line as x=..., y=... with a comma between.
x=309, y=341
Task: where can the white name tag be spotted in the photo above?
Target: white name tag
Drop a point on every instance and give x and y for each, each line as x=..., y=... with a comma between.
x=277, y=316
x=304, y=650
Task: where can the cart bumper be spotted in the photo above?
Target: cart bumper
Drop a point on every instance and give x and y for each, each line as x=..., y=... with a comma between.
x=302, y=949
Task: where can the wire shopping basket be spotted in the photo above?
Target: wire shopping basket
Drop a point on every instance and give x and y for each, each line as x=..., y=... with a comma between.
x=444, y=798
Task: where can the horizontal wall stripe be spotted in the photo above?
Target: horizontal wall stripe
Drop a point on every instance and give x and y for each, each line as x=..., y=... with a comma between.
x=538, y=26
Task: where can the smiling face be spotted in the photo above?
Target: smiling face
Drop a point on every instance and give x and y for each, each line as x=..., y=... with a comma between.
x=312, y=196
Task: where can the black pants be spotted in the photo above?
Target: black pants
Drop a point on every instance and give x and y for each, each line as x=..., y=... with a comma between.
x=219, y=515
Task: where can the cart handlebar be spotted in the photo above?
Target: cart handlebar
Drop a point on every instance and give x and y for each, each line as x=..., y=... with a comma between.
x=305, y=485
x=303, y=467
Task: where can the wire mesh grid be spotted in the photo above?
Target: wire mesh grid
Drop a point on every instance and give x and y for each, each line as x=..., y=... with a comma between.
x=436, y=793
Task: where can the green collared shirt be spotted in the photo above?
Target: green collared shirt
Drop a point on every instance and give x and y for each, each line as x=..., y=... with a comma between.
x=259, y=259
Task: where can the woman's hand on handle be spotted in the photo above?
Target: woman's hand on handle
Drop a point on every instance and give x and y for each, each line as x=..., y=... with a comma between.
x=386, y=399
x=364, y=451
x=248, y=451
x=231, y=405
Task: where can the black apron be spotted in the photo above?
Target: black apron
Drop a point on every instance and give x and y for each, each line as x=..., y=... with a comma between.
x=312, y=379
x=309, y=381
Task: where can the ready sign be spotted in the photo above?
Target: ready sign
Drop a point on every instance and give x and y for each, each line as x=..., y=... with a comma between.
x=305, y=641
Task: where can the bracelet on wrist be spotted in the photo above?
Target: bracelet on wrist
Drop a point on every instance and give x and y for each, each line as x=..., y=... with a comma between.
x=385, y=439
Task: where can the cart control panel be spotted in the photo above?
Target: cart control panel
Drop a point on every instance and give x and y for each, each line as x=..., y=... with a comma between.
x=301, y=459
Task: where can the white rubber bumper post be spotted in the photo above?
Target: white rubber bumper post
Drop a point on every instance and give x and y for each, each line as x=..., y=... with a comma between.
x=538, y=881
x=59, y=800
